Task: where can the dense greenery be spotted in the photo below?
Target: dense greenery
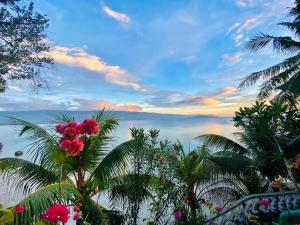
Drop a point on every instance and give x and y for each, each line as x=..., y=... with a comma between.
x=23, y=43
x=72, y=168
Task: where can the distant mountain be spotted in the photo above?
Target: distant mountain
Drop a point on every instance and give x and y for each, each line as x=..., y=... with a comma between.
x=48, y=116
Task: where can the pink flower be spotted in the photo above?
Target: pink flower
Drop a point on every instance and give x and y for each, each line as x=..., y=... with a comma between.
x=60, y=128
x=89, y=126
x=56, y=213
x=76, y=216
x=19, y=209
x=72, y=147
x=265, y=202
x=298, y=163
x=70, y=130
x=161, y=158
x=178, y=215
x=218, y=209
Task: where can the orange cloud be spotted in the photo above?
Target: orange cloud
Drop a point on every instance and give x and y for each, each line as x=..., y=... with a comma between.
x=227, y=91
x=121, y=17
x=77, y=57
x=209, y=101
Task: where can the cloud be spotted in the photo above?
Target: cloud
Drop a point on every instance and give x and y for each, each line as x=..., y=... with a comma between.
x=77, y=57
x=209, y=101
x=93, y=104
x=178, y=99
x=232, y=59
x=15, y=88
x=120, y=17
x=227, y=91
x=244, y=3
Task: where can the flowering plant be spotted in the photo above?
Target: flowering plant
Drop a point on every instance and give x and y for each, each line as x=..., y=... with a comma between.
x=72, y=135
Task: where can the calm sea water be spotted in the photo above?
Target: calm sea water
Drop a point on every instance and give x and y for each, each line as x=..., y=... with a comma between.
x=183, y=128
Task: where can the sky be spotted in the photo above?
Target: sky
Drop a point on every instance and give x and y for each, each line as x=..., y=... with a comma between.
x=164, y=56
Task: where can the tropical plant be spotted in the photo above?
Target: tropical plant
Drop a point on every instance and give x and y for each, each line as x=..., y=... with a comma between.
x=269, y=137
x=23, y=43
x=285, y=76
x=133, y=189
x=189, y=180
x=64, y=170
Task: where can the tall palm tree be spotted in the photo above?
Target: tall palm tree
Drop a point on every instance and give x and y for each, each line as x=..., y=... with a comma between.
x=51, y=177
x=284, y=76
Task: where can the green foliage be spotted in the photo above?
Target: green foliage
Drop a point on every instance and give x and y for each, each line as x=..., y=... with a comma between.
x=37, y=202
x=283, y=77
x=22, y=175
x=22, y=43
x=6, y=216
x=92, y=170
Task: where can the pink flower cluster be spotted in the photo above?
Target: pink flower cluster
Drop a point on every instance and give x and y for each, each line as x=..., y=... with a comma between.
x=71, y=132
x=56, y=213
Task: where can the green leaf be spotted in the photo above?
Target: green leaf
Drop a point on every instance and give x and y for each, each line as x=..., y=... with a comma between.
x=58, y=156
x=6, y=216
x=24, y=175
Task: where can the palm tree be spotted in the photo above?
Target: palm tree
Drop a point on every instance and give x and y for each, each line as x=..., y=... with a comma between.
x=260, y=160
x=74, y=180
x=203, y=174
x=284, y=76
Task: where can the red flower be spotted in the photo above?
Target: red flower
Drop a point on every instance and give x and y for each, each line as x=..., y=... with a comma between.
x=19, y=209
x=76, y=216
x=56, y=213
x=298, y=163
x=69, y=130
x=178, y=215
x=60, y=128
x=89, y=126
x=218, y=209
x=265, y=202
x=72, y=147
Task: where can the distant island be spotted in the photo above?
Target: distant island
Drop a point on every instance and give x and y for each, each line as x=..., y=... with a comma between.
x=48, y=116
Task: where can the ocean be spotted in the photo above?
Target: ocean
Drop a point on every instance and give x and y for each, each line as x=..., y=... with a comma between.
x=173, y=127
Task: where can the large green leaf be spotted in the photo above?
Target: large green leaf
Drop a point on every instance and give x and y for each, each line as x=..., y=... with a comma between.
x=22, y=175
x=218, y=142
x=113, y=164
x=41, y=141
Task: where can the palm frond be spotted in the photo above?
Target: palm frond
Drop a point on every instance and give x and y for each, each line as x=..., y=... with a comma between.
x=218, y=142
x=292, y=26
x=41, y=141
x=280, y=44
x=22, y=175
x=113, y=164
x=36, y=203
x=230, y=162
x=272, y=71
x=95, y=214
x=292, y=85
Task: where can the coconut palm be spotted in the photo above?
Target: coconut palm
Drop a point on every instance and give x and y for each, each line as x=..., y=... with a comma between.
x=200, y=174
x=262, y=162
x=53, y=177
x=284, y=76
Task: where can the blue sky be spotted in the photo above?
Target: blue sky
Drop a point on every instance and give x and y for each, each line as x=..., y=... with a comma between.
x=170, y=56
